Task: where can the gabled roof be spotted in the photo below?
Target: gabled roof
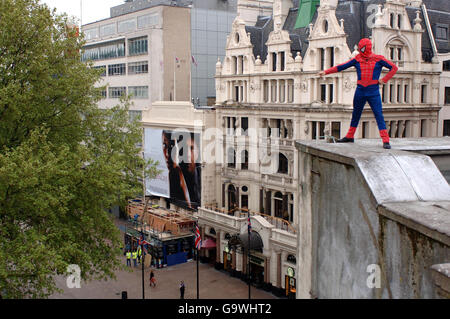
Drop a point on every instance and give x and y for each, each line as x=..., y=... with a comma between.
x=259, y=34
x=353, y=12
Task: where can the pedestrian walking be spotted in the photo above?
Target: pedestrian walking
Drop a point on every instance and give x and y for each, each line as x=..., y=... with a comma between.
x=182, y=288
x=134, y=256
x=128, y=258
x=152, y=279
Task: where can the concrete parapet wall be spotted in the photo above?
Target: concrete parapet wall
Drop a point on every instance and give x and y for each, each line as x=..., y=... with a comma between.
x=357, y=221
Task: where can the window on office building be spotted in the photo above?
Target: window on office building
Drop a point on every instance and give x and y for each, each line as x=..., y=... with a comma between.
x=138, y=46
x=108, y=29
x=117, y=92
x=138, y=92
x=101, y=67
x=117, y=69
x=101, y=52
x=127, y=25
x=91, y=34
x=138, y=67
x=135, y=115
x=147, y=20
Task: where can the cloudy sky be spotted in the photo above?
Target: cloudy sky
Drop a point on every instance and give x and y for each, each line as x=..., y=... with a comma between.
x=93, y=10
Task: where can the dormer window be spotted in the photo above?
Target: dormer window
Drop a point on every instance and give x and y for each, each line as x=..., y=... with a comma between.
x=399, y=21
x=236, y=38
x=391, y=20
x=396, y=52
x=441, y=32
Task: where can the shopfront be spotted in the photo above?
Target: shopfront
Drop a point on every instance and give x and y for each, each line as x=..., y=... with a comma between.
x=209, y=250
x=290, y=283
x=257, y=270
x=227, y=259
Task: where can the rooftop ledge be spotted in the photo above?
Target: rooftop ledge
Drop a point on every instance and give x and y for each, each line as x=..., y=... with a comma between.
x=406, y=184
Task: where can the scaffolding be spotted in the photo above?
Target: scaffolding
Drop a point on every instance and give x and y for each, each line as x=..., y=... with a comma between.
x=160, y=220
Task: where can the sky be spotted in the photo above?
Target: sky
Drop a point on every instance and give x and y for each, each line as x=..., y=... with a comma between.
x=93, y=10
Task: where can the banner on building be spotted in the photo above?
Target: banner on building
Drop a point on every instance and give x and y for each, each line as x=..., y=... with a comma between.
x=178, y=154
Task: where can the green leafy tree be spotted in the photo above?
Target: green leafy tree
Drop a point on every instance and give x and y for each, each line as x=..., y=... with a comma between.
x=63, y=161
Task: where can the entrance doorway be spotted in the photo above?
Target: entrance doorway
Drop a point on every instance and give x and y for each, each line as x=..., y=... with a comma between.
x=227, y=261
x=257, y=270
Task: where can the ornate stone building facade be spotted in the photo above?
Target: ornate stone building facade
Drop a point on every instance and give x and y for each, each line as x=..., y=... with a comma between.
x=268, y=83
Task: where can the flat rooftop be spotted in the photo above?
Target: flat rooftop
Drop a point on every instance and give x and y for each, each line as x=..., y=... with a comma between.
x=406, y=183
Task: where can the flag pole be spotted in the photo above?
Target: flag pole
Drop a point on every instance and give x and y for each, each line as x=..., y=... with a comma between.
x=198, y=245
x=198, y=292
x=248, y=255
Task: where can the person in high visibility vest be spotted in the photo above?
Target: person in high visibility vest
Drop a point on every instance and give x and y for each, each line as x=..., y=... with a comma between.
x=128, y=258
x=139, y=254
x=134, y=256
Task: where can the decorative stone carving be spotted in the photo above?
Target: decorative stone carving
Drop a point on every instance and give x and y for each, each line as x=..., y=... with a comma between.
x=379, y=17
x=347, y=84
x=304, y=86
x=417, y=22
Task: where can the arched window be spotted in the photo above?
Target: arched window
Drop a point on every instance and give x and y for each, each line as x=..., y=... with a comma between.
x=399, y=21
x=291, y=259
x=283, y=164
x=212, y=231
x=391, y=20
x=325, y=26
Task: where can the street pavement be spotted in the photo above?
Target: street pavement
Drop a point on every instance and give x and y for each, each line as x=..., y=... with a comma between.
x=214, y=284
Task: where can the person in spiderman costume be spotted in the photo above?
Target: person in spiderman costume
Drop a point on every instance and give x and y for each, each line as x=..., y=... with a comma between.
x=368, y=67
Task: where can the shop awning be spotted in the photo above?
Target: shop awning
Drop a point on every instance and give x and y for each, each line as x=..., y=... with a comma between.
x=208, y=243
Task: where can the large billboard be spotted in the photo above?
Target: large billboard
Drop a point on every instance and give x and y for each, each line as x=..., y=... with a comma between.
x=178, y=154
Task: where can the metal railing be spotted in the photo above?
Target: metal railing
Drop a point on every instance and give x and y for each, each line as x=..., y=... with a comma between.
x=277, y=222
